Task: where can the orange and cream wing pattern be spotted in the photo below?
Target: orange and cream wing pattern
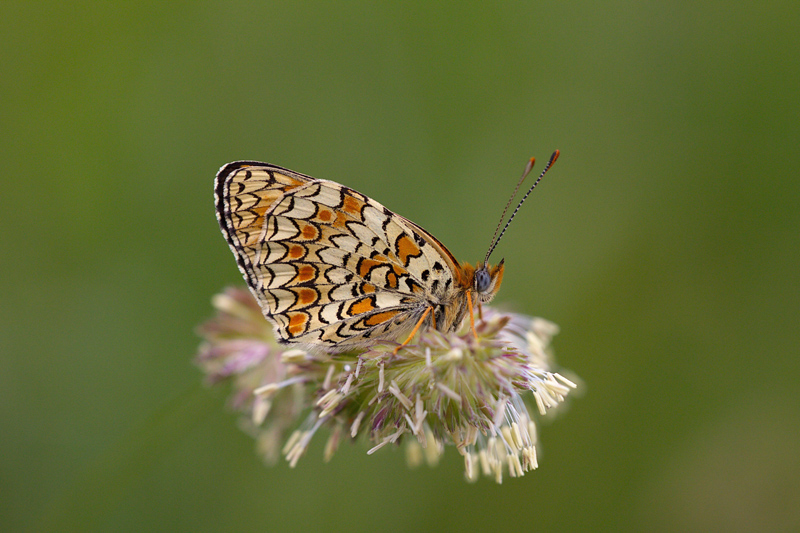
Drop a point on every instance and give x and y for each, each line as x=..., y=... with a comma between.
x=328, y=265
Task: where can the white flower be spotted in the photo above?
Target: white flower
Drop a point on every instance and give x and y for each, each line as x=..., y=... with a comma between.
x=444, y=390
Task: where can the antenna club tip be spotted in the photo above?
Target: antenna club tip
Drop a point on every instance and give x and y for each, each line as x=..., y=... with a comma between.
x=528, y=168
x=554, y=156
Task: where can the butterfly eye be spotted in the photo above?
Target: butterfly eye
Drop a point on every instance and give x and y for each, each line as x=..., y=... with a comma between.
x=482, y=280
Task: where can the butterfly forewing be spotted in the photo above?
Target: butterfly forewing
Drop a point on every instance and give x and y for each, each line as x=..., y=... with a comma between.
x=327, y=264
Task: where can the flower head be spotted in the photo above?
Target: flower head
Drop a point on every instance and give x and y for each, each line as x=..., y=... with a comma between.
x=444, y=390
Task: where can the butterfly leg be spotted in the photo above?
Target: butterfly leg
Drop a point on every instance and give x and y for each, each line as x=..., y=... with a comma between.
x=472, y=315
x=416, y=328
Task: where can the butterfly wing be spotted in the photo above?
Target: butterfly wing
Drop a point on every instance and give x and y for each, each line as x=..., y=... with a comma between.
x=328, y=265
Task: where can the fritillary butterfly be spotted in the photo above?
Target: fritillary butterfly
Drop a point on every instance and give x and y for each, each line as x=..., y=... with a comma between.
x=336, y=270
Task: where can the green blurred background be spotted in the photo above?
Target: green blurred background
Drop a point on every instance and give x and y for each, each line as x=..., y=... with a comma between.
x=665, y=243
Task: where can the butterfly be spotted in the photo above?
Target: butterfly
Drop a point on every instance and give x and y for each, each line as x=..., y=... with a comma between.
x=335, y=270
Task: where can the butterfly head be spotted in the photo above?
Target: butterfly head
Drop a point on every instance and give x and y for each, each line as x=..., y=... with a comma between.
x=486, y=280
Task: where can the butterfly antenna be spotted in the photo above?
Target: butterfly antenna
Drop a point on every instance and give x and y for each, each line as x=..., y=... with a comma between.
x=530, y=165
x=527, y=171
